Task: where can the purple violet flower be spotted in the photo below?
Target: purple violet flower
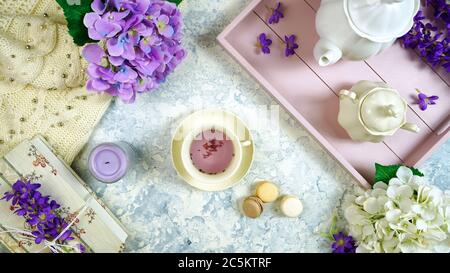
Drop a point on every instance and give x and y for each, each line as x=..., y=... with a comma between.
x=40, y=212
x=39, y=234
x=140, y=46
x=264, y=42
x=343, y=243
x=291, y=45
x=429, y=36
x=276, y=15
x=81, y=248
x=425, y=100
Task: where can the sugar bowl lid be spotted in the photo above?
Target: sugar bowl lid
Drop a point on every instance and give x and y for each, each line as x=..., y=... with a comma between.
x=381, y=20
x=383, y=110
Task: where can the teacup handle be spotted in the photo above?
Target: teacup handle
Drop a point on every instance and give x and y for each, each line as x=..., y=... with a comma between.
x=348, y=93
x=246, y=143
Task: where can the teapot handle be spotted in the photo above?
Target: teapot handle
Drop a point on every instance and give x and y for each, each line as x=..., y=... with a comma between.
x=347, y=93
x=411, y=127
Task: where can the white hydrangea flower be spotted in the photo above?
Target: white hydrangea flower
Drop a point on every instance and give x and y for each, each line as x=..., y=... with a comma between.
x=408, y=215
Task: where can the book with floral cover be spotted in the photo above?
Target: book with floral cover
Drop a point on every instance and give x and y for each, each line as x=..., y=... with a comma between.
x=94, y=226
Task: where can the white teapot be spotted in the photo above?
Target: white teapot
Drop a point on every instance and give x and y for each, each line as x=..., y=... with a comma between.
x=371, y=111
x=358, y=29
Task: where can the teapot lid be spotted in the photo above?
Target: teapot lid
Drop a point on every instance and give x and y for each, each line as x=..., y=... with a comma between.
x=383, y=110
x=381, y=20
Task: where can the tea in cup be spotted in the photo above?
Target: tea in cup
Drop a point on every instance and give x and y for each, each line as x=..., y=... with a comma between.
x=212, y=155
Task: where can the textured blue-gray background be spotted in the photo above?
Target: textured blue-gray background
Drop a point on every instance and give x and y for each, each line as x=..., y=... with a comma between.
x=163, y=214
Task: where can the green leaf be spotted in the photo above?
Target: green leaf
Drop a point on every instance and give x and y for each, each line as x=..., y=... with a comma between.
x=74, y=14
x=416, y=172
x=175, y=1
x=386, y=173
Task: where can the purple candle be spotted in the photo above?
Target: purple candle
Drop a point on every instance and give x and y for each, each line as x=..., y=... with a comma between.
x=110, y=162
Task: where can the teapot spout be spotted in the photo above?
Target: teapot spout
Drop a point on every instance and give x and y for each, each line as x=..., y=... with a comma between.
x=326, y=53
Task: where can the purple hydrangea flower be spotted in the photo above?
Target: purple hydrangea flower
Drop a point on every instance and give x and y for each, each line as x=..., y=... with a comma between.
x=101, y=27
x=343, y=243
x=140, y=45
x=99, y=6
x=94, y=54
x=164, y=27
x=122, y=46
x=264, y=42
x=40, y=212
x=150, y=41
x=291, y=45
x=276, y=15
x=425, y=100
x=136, y=6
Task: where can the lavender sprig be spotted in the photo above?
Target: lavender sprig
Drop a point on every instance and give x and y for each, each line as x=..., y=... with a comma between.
x=40, y=213
x=430, y=35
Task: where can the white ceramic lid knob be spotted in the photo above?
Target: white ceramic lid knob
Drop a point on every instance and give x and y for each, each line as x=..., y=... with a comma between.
x=391, y=111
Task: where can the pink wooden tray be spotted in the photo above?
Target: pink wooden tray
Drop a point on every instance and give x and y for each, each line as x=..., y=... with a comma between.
x=309, y=92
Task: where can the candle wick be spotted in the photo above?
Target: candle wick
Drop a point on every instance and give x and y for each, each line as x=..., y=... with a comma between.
x=107, y=163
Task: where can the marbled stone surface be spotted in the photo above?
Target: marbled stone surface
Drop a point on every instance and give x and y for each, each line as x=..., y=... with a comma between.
x=163, y=214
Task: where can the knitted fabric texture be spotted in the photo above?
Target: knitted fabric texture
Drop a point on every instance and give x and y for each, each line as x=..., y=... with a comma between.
x=42, y=78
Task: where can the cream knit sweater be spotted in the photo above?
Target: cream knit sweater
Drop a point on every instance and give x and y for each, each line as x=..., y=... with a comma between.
x=42, y=80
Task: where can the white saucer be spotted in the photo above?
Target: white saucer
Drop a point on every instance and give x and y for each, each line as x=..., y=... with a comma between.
x=224, y=119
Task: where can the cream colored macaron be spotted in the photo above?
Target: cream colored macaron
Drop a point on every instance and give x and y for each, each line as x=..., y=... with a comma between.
x=267, y=192
x=291, y=206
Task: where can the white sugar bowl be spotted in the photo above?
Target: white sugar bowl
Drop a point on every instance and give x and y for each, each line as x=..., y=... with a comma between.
x=370, y=111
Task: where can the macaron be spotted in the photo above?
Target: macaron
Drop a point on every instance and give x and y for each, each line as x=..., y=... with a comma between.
x=267, y=192
x=252, y=207
x=291, y=206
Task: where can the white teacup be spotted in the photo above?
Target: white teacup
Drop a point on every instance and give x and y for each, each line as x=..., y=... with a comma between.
x=212, y=178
